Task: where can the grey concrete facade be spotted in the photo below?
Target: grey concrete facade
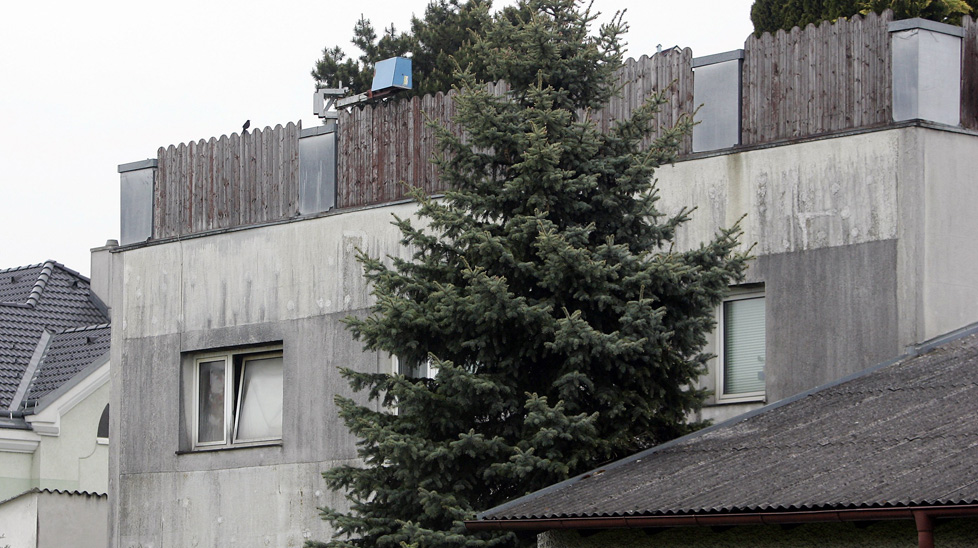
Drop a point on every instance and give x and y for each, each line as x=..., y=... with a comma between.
x=862, y=249
x=860, y=243
x=289, y=284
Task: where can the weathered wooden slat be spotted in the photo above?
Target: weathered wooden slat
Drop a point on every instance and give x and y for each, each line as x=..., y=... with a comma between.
x=969, y=74
x=808, y=81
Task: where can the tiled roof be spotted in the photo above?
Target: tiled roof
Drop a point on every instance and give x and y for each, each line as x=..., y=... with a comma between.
x=67, y=353
x=41, y=298
x=901, y=435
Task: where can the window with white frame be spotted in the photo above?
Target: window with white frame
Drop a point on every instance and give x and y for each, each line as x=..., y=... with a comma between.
x=237, y=397
x=741, y=347
x=414, y=370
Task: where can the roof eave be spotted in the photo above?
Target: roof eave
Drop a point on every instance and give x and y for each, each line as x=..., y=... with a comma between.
x=715, y=520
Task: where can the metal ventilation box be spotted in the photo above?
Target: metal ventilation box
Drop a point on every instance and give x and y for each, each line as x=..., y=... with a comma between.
x=392, y=73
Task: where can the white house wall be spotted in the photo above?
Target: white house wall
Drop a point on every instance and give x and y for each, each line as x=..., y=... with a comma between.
x=73, y=460
x=15, y=474
x=18, y=522
x=67, y=456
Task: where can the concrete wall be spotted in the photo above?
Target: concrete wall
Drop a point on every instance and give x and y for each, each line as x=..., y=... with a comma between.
x=861, y=243
x=950, y=257
x=950, y=533
x=861, y=248
x=54, y=520
x=18, y=522
x=291, y=284
x=72, y=520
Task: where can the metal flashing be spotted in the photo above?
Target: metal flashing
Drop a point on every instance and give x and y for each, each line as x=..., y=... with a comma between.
x=317, y=130
x=25, y=381
x=136, y=166
x=732, y=55
x=925, y=24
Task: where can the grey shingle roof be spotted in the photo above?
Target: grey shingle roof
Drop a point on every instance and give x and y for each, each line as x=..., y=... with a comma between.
x=45, y=297
x=67, y=353
x=904, y=434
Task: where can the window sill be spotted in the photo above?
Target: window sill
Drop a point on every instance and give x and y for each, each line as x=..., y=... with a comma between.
x=749, y=398
x=213, y=449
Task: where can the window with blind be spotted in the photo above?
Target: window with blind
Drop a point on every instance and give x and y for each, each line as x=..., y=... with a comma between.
x=743, y=348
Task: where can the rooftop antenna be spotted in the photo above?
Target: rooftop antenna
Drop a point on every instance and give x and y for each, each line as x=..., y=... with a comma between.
x=324, y=99
x=390, y=76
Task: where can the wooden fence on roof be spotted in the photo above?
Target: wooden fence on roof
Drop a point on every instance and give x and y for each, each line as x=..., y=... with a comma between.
x=381, y=148
x=232, y=181
x=818, y=79
x=805, y=82
x=969, y=74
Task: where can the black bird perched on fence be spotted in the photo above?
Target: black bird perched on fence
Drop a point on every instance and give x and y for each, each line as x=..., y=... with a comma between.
x=246, y=125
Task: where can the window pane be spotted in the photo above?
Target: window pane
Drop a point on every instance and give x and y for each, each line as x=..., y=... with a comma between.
x=743, y=346
x=415, y=370
x=259, y=414
x=210, y=426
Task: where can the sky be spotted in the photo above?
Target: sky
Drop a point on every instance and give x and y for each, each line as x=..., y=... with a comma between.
x=86, y=86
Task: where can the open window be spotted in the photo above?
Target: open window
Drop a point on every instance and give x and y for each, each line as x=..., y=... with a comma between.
x=237, y=398
x=741, y=344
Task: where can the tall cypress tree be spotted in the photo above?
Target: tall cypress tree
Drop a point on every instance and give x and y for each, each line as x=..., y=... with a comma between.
x=564, y=328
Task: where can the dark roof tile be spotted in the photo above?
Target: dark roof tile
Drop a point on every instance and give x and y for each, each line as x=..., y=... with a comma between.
x=900, y=435
x=34, y=299
x=68, y=353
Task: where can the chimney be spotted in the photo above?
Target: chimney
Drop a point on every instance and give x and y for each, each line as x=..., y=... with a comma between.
x=717, y=87
x=136, y=207
x=101, y=285
x=926, y=71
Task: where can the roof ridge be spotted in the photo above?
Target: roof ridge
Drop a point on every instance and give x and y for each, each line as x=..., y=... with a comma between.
x=40, y=284
x=83, y=328
x=19, y=268
x=71, y=271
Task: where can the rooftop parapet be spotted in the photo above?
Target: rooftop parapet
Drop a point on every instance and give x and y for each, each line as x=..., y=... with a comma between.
x=866, y=72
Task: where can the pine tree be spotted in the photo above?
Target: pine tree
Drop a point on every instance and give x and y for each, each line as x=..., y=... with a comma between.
x=564, y=328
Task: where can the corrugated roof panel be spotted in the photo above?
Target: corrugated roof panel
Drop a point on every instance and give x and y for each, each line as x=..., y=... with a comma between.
x=905, y=434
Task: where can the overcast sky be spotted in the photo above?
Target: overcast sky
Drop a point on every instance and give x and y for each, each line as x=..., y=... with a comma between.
x=87, y=86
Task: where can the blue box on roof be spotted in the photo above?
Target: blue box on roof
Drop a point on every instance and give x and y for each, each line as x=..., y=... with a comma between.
x=392, y=73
